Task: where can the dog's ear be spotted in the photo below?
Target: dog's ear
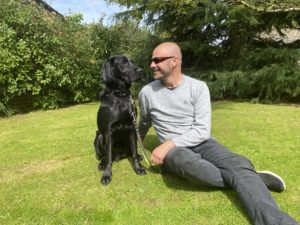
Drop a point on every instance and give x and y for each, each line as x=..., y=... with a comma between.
x=107, y=73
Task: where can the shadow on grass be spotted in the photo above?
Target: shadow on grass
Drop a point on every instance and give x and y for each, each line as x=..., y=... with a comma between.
x=151, y=141
x=177, y=183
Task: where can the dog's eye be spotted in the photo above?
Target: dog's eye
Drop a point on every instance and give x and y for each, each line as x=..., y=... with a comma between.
x=124, y=62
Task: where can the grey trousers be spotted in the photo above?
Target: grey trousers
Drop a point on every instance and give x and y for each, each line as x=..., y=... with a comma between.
x=210, y=163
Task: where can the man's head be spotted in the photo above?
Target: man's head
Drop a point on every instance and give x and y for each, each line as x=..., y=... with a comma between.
x=166, y=61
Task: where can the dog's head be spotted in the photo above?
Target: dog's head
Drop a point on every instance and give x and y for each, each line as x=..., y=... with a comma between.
x=119, y=68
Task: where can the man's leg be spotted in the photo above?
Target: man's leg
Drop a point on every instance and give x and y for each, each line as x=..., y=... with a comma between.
x=189, y=165
x=240, y=174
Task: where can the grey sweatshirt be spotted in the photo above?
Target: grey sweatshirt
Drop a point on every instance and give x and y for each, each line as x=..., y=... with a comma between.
x=182, y=115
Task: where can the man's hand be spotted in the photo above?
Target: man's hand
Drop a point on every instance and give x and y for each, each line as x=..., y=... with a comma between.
x=159, y=153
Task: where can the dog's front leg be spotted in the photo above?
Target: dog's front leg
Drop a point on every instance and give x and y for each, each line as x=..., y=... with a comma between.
x=99, y=149
x=136, y=157
x=107, y=174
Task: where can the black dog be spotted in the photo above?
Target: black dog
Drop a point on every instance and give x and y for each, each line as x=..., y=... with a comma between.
x=116, y=137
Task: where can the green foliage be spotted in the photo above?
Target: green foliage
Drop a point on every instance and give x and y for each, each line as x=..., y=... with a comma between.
x=231, y=42
x=274, y=82
x=277, y=82
x=47, y=62
x=222, y=84
x=42, y=65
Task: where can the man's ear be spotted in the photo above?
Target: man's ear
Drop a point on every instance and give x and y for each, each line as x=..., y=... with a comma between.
x=173, y=63
x=107, y=73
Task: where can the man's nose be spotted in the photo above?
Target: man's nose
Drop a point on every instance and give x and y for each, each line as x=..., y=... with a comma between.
x=152, y=65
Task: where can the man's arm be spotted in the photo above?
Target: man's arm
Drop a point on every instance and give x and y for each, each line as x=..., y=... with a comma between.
x=145, y=119
x=159, y=153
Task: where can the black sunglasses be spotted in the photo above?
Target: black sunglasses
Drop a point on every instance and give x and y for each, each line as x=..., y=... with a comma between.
x=157, y=60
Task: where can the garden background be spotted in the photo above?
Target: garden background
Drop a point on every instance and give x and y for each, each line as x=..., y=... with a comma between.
x=50, y=80
x=242, y=50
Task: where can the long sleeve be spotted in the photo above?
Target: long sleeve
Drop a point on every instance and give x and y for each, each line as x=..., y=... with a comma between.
x=145, y=119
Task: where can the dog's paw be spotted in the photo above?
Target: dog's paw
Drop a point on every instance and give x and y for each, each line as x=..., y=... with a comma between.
x=140, y=171
x=105, y=180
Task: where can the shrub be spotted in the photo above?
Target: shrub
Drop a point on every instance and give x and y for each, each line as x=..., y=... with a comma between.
x=45, y=62
x=272, y=83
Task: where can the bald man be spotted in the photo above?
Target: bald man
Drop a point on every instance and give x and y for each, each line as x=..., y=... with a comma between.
x=179, y=109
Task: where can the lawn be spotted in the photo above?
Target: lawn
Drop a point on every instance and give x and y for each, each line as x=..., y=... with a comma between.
x=48, y=170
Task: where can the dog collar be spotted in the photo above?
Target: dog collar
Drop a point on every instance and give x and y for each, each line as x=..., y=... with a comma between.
x=121, y=93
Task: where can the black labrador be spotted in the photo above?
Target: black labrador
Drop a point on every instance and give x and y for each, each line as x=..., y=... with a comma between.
x=116, y=137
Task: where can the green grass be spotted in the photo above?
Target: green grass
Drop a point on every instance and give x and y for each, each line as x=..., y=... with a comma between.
x=48, y=170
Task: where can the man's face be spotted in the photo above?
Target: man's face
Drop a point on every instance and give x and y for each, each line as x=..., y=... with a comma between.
x=161, y=65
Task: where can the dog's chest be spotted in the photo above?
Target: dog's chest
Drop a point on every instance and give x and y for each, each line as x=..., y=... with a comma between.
x=125, y=114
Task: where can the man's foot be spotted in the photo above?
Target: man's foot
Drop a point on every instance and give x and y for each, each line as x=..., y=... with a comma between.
x=273, y=181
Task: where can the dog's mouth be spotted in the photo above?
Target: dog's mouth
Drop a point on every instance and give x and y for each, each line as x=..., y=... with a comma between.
x=138, y=75
x=131, y=77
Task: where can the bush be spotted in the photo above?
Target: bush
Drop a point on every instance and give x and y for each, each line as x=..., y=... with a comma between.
x=45, y=62
x=277, y=82
x=272, y=83
x=48, y=62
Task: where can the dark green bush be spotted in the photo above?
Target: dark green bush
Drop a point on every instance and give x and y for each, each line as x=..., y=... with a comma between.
x=272, y=83
x=45, y=62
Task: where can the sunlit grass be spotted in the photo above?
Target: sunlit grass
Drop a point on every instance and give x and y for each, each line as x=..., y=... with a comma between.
x=48, y=171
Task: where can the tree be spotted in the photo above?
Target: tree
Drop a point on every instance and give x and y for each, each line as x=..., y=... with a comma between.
x=230, y=37
x=47, y=62
x=269, y=6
